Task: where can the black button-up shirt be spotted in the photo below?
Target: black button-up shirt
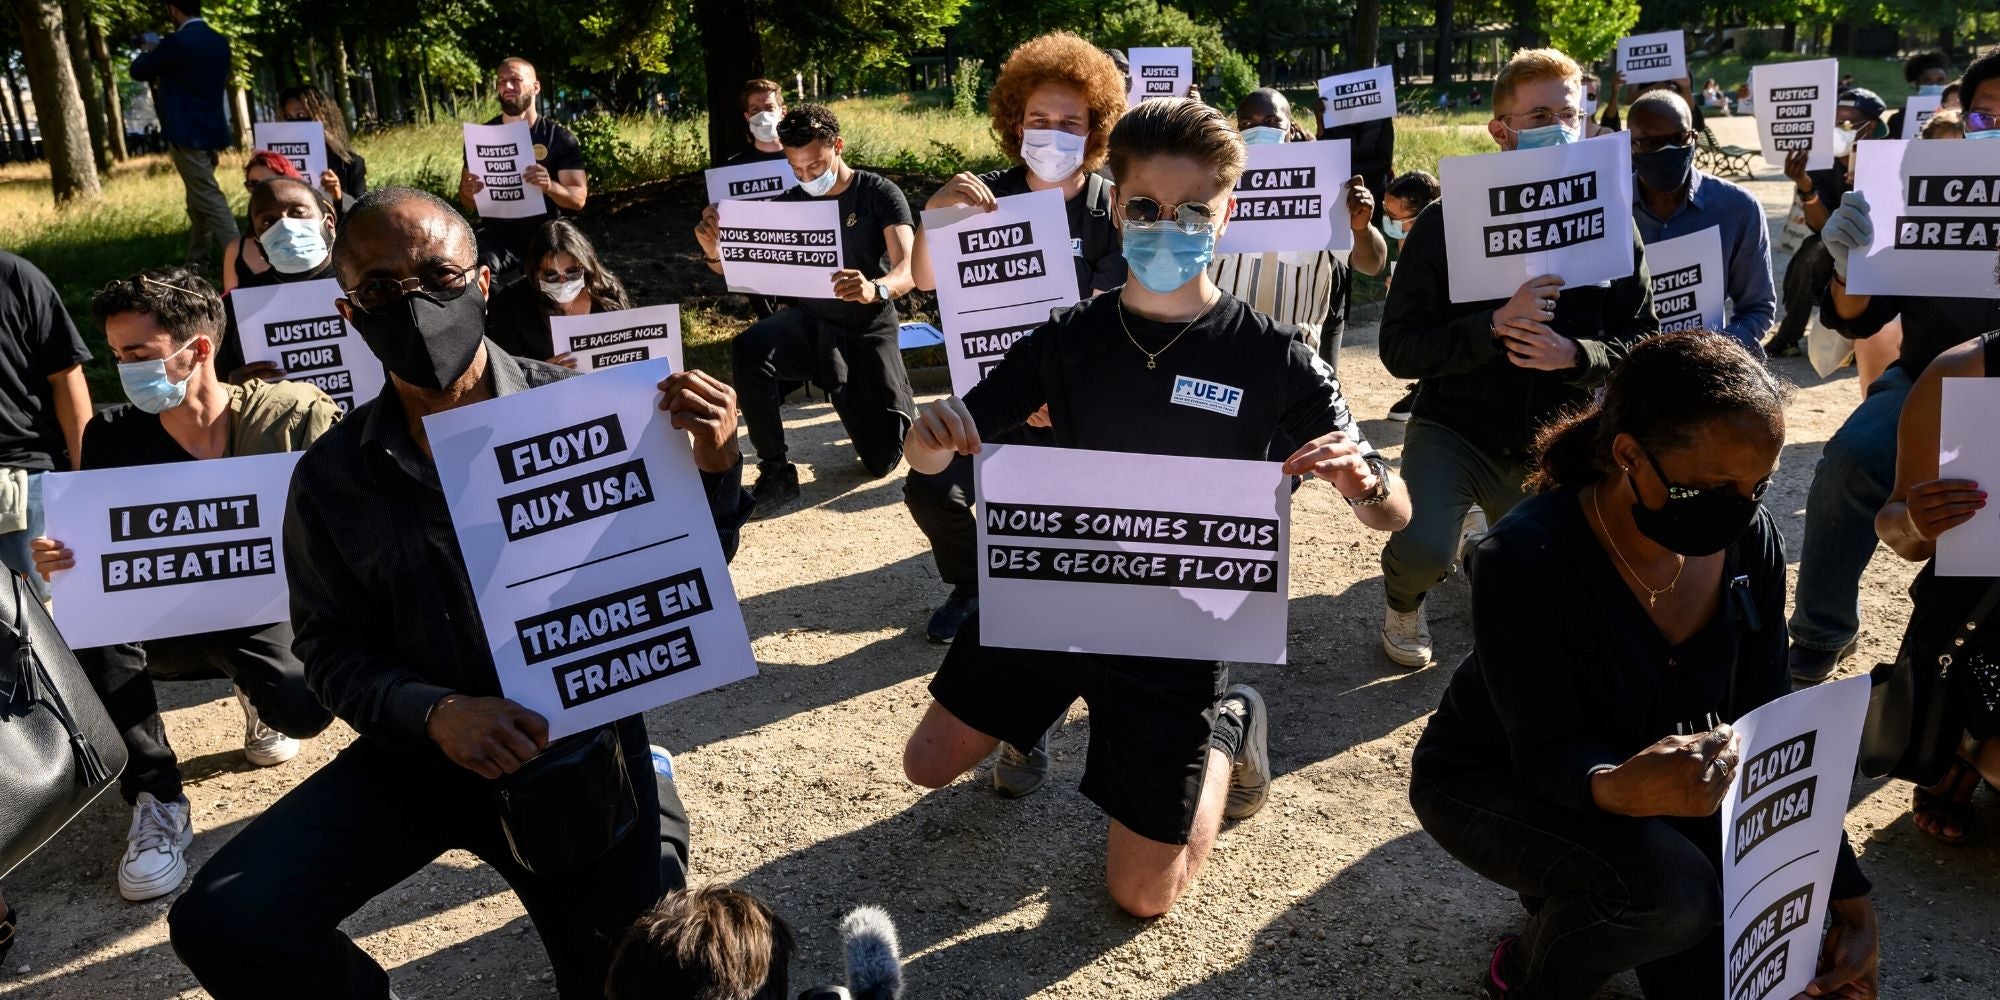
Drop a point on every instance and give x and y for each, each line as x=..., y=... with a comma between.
x=385, y=617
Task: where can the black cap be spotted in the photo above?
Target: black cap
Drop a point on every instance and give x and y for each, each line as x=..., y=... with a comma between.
x=1863, y=100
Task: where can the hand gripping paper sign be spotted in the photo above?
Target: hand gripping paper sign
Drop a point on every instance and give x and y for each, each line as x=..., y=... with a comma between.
x=597, y=341
x=1936, y=211
x=296, y=327
x=749, y=181
x=1687, y=280
x=1652, y=58
x=999, y=274
x=1159, y=72
x=786, y=248
x=303, y=143
x=1794, y=104
x=1781, y=829
x=1291, y=196
x=173, y=549
x=497, y=155
x=1968, y=411
x=587, y=537
x=1139, y=555
x=1563, y=210
x=1353, y=98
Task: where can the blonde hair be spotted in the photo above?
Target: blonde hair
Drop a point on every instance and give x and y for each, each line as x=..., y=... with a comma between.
x=1946, y=124
x=1061, y=58
x=1531, y=66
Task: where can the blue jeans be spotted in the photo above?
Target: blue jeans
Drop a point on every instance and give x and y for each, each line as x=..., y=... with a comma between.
x=1852, y=481
x=14, y=553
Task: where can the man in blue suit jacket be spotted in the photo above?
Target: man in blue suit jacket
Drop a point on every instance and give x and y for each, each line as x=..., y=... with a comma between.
x=189, y=71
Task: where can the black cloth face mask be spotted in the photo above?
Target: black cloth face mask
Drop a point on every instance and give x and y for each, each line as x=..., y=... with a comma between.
x=1666, y=169
x=424, y=341
x=1697, y=522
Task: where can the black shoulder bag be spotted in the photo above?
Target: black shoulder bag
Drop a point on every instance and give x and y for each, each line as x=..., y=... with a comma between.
x=1914, y=722
x=570, y=805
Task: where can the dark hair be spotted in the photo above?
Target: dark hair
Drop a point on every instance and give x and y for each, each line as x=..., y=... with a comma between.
x=177, y=298
x=562, y=236
x=191, y=8
x=807, y=124
x=324, y=111
x=269, y=189
x=1666, y=388
x=1923, y=62
x=381, y=200
x=1179, y=127
x=752, y=88
x=712, y=943
x=1417, y=188
x=1982, y=71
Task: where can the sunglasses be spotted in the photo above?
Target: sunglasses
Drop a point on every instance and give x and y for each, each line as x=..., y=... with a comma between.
x=442, y=283
x=1981, y=121
x=570, y=275
x=1189, y=216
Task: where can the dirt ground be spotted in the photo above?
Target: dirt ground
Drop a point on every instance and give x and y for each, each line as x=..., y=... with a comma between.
x=796, y=793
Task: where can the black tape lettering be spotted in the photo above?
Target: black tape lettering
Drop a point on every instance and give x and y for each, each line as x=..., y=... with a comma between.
x=1947, y=232
x=1675, y=280
x=1007, y=237
x=1540, y=196
x=303, y=331
x=1307, y=206
x=582, y=681
x=560, y=448
x=998, y=270
x=1511, y=238
x=332, y=383
x=1779, y=919
x=177, y=518
x=1767, y=975
x=1145, y=569
x=1781, y=761
x=504, y=149
x=756, y=187
x=586, y=624
x=301, y=359
x=1115, y=524
x=991, y=343
x=575, y=500
x=148, y=568
x=613, y=338
x=1775, y=812
x=624, y=357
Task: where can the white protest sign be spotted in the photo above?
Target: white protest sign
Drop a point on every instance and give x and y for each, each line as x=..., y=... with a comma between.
x=998, y=275
x=786, y=248
x=1138, y=555
x=1292, y=196
x=1918, y=112
x=303, y=143
x=1781, y=829
x=1652, y=58
x=600, y=340
x=751, y=181
x=1794, y=105
x=1688, y=287
x=1968, y=449
x=296, y=327
x=170, y=549
x=1159, y=72
x=497, y=155
x=1564, y=210
x=1936, y=211
x=588, y=540
x=1352, y=98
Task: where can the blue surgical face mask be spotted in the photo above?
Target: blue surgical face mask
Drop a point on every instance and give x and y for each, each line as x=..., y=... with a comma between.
x=1164, y=257
x=295, y=246
x=819, y=186
x=1393, y=229
x=1262, y=134
x=1991, y=133
x=148, y=387
x=1931, y=90
x=1556, y=134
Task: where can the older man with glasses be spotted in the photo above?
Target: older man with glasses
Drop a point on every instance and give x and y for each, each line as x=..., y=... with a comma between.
x=390, y=635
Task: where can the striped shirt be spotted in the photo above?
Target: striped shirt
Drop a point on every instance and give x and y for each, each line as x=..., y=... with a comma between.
x=1297, y=288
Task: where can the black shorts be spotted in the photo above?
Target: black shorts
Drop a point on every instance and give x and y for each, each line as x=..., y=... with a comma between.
x=1150, y=720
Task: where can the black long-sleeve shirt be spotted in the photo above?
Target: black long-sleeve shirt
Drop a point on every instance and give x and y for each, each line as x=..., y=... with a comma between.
x=1469, y=383
x=1569, y=676
x=1932, y=325
x=385, y=618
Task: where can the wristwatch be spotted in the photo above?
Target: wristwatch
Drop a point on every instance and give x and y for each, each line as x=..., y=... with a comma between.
x=882, y=291
x=1381, y=470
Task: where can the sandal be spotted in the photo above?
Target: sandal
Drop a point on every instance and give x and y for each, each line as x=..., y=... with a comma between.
x=1947, y=805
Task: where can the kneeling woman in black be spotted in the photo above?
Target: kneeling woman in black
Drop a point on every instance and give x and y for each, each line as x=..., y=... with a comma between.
x=1622, y=618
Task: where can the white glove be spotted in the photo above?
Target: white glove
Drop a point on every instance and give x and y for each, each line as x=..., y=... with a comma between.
x=1847, y=230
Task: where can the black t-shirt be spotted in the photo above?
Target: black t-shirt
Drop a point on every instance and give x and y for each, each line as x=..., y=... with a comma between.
x=229, y=354
x=1226, y=389
x=556, y=150
x=518, y=320
x=1093, y=237
x=37, y=340
x=124, y=435
x=870, y=204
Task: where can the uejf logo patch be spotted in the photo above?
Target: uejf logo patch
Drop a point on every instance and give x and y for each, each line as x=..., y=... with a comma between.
x=1211, y=396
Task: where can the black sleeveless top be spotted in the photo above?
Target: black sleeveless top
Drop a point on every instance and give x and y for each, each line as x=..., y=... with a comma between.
x=244, y=275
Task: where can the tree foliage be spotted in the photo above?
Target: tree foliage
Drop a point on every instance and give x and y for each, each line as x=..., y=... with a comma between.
x=1588, y=29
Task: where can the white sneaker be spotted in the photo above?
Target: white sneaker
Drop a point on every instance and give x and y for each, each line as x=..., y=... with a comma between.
x=154, y=861
x=1470, y=531
x=1406, y=637
x=262, y=745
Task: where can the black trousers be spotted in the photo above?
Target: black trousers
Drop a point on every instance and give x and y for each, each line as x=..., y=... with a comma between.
x=262, y=917
x=1805, y=278
x=942, y=507
x=259, y=660
x=861, y=371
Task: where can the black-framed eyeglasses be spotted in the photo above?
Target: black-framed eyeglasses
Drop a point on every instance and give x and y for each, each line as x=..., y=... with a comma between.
x=1981, y=121
x=1190, y=216
x=444, y=283
x=1656, y=143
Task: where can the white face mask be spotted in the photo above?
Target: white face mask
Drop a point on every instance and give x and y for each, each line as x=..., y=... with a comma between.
x=819, y=186
x=1052, y=154
x=764, y=125
x=562, y=293
x=1843, y=141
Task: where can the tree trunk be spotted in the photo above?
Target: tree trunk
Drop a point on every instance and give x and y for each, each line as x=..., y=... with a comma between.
x=1528, y=26
x=13, y=143
x=107, y=87
x=239, y=109
x=20, y=110
x=734, y=52
x=1948, y=40
x=86, y=82
x=58, y=105
x=1441, y=68
x=424, y=111
x=343, y=81
x=1367, y=34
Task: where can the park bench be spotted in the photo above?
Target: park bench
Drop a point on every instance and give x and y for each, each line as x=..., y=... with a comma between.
x=1719, y=159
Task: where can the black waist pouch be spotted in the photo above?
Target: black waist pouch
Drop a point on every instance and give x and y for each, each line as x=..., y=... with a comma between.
x=570, y=805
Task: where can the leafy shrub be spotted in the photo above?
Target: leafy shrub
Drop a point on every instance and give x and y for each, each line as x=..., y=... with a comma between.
x=965, y=87
x=1238, y=78
x=606, y=153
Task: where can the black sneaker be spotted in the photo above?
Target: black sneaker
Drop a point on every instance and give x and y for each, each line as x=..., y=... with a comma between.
x=777, y=490
x=946, y=619
x=1813, y=666
x=1781, y=346
x=1400, y=412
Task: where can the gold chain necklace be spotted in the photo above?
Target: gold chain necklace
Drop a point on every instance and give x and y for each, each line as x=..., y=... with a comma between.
x=1153, y=356
x=1652, y=596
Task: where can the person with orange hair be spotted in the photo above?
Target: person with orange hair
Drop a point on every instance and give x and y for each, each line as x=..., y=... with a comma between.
x=1053, y=107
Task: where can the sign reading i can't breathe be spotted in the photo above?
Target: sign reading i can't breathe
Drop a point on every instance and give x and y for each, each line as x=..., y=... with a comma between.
x=1563, y=210
x=749, y=181
x=1140, y=555
x=1159, y=72
x=780, y=247
x=172, y=549
x=296, y=327
x=497, y=155
x=1794, y=104
x=998, y=274
x=1936, y=211
x=600, y=340
x=303, y=143
x=587, y=537
x=1781, y=832
x=1687, y=280
x=1652, y=58
x=1352, y=98
x=1292, y=196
